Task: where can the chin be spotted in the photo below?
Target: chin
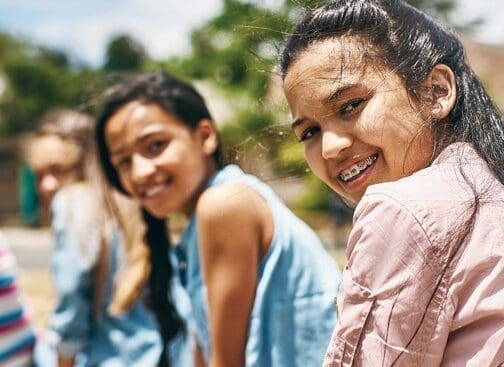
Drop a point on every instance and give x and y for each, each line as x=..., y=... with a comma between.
x=160, y=214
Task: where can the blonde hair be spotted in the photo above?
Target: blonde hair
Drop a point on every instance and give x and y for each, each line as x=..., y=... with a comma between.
x=75, y=127
x=108, y=208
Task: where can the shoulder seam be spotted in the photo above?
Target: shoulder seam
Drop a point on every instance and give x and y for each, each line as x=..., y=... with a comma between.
x=406, y=209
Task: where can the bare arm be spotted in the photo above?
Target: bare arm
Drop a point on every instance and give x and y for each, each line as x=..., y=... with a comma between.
x=66, y=361
x=231, y=222
x=199, y=360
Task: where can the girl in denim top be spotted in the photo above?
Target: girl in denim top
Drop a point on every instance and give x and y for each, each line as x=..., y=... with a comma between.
x=102, y=316
x=394, y=120
x=260, y=283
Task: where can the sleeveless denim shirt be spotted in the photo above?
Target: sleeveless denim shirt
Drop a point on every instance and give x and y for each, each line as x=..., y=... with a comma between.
x=293, y=311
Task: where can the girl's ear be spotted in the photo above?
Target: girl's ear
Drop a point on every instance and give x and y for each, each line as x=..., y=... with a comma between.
x=208, y=134
x=441, y=90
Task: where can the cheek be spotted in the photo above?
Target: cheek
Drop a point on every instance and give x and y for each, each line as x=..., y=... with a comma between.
x=313, y=157
x=372, y=125
x=172, y=155
x=70, y=178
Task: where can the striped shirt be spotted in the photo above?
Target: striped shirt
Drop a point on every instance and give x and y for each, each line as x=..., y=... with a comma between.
x=17, y=336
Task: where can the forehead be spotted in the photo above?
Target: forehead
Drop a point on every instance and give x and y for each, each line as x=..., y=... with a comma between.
x=135, y=119
x=343, y=61
x=51, y=150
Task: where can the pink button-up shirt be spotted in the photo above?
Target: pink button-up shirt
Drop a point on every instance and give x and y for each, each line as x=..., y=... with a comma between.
x=424, y=284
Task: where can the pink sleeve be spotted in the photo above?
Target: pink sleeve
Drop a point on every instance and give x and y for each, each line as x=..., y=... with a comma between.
x=392, y=291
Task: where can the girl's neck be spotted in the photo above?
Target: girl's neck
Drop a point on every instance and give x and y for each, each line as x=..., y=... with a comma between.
x=188, y=210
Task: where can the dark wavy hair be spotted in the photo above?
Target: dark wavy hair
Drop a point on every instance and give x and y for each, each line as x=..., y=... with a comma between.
x=410, y=43
x=181, y=100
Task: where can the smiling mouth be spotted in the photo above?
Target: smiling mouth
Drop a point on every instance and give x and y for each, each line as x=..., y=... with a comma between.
x=155, y=190
x=357, y=169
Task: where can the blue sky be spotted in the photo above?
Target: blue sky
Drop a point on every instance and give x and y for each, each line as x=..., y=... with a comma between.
x=83, y=27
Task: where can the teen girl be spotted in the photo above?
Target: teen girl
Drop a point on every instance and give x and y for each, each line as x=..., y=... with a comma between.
x=395, y=122
x=260, y=282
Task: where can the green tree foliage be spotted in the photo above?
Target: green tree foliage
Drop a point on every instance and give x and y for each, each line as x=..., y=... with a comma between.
x=441, y=8
x=233, y=49
x=124, y=54
x=36, y=79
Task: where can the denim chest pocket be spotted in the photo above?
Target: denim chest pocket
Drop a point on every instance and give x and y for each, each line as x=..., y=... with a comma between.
x=354, y=305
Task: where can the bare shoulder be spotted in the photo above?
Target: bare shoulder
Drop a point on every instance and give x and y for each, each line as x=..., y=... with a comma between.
x=229, y=211
x=228, y=201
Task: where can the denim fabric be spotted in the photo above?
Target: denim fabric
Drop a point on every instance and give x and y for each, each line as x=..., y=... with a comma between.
x=131, y=339
x=293, y=313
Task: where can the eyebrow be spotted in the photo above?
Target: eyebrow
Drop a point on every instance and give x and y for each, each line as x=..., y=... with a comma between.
x=336, y=94
x=116, y=152
x=143, y=136
x=298, y=122
x=148, y=134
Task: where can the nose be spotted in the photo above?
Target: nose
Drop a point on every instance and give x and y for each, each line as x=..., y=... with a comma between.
x=334, y=143
x=48, y=185
x=142, y=168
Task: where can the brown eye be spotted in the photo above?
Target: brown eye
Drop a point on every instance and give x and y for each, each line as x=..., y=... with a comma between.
x=309, y=133
x=351, y=106
x=156, y=146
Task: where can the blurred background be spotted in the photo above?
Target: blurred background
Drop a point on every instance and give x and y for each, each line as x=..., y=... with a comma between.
x=56, y=53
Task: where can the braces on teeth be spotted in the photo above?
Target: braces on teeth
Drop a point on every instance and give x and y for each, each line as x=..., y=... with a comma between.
x=357, y=168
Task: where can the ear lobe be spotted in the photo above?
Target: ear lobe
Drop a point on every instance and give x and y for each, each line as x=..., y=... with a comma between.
x=441, y=84
x=208, y=135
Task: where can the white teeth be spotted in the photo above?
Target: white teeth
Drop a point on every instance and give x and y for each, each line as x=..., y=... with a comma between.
x=357, y=168
x=153, y=191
